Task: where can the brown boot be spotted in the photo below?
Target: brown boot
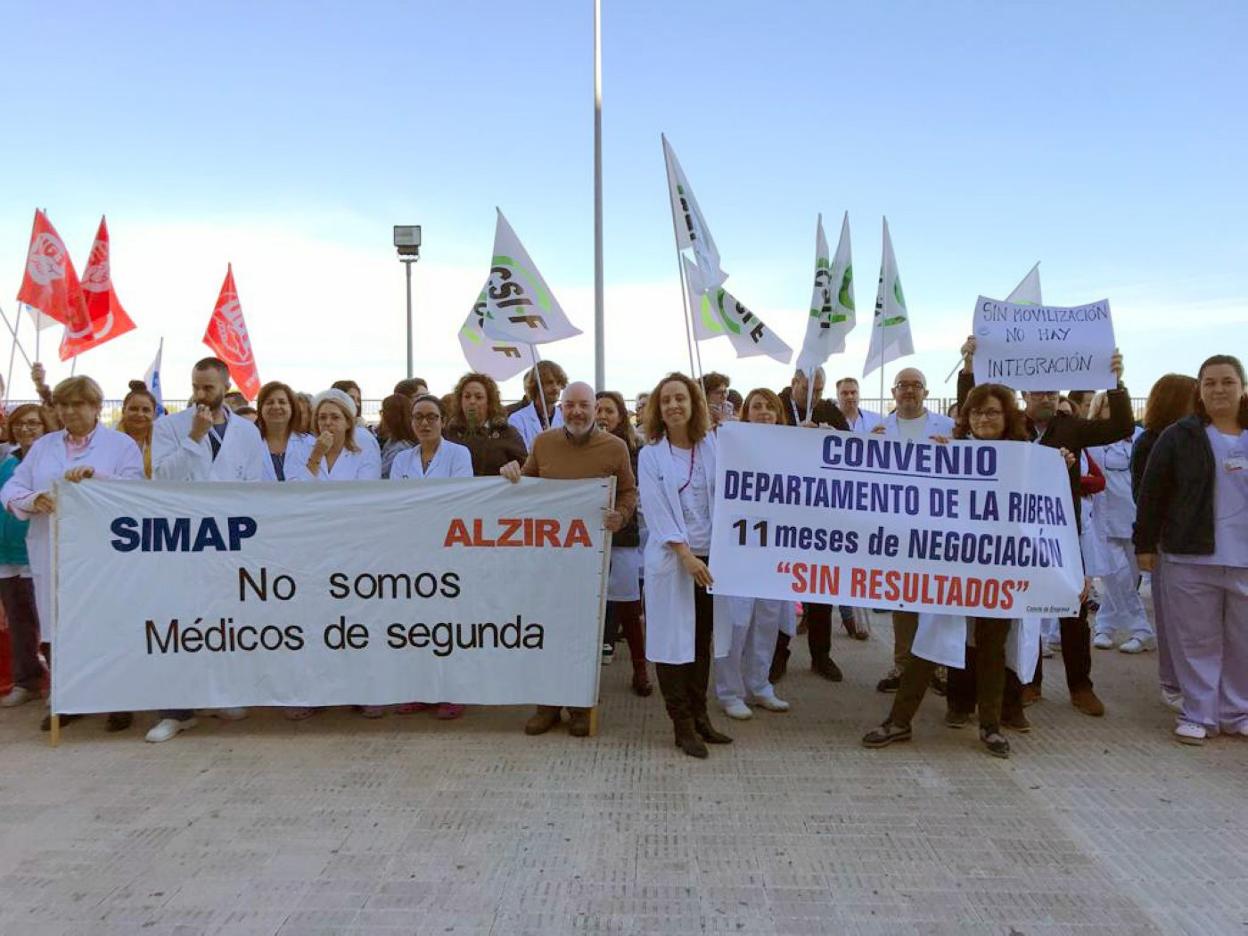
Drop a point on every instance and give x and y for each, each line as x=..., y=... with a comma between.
x=1085, y=700
x=702, y=725
x=545, y=718
x=687, y=739
x=641, y=680
x=578, y=723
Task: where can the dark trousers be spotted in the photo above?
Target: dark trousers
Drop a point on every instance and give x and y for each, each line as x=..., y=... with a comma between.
x=625, y=616
x=962, y=694
x=684, y=684
x=818, y=633
x=1076, y=652
x=18, y=596
x=916, y=676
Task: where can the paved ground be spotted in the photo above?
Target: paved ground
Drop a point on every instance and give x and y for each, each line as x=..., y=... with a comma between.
x=338, y=825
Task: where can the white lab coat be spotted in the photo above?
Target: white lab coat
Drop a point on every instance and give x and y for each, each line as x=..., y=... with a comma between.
x=176, y=457
x=527, y=422
x=669, y=588
x=742, y=674
x=1113, y=514
x=112, y=454
x=942, y=639
x=937, y=424
x=865, y=422
x=451, y=460
x=298, y=447
x=349, y=466
x=367, y=444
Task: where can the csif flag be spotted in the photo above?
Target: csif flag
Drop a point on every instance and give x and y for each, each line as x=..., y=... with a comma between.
x=691, y=230
x=890, y=329
x=227, y=336
x=717, y=312
x=515, y=305
x=107, y=318
x=501, y=360
x=50, y=284
x=832, y=315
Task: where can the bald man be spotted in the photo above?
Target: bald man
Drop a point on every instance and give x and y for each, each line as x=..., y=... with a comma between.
x=578, y=449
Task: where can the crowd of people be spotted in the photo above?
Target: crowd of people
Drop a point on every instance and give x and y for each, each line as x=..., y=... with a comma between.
x=1162, y=504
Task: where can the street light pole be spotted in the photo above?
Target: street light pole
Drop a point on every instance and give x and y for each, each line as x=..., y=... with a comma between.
x=407, y=243
x=599, y=311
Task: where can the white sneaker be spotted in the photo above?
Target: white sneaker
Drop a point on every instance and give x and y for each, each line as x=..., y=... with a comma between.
x=231, y=714
x=1172, y=700
x=608, y=654
x=737, y=709
x=1138, y=645
x=771, y=703
x=16, y=696
x=1103, y=642
x=1187, y=733
x=168, y=728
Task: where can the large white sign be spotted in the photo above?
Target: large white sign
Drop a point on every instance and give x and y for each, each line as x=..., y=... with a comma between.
x=978, y=528
x=1037, y=347
x=175, y=595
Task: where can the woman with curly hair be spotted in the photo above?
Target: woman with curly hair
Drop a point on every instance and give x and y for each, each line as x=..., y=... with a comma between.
x=478, y=422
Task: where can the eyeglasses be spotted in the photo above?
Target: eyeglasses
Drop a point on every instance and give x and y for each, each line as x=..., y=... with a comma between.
x=27, y=425
x=909, y=385
x=426, y=417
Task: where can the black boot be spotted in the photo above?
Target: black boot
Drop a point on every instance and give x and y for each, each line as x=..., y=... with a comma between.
x=779, y=660
x=687, y=739
x=702, y=724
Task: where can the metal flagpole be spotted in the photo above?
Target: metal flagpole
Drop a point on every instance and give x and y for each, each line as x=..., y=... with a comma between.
x=16, y=343
x=680, y=269
x=600, y=376
x=537, y=380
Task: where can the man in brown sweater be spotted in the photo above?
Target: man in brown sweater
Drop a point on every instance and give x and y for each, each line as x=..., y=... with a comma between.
x=575, y=450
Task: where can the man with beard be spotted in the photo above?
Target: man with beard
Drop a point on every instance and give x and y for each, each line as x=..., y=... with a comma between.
x=823, y=414
x=205, y=442
x=578, y=449
x=1073, y=433
x=538, y=411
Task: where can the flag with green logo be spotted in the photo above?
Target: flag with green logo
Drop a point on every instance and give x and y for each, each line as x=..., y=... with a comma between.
x=516, y=305
x=716, y=312
x=832, y=302
x=691, y=230
x=502, y=360
x=890, y=329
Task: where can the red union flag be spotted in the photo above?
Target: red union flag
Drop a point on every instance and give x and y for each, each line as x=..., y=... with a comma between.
x=227, y=336
x=107, y=317
x=50, y=283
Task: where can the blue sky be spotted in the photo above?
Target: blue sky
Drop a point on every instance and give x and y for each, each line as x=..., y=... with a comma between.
x=1104, y=139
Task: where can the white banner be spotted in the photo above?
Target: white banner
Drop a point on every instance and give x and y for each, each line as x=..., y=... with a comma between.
x=978, y=528
x=174, y=595
x=1037, y=347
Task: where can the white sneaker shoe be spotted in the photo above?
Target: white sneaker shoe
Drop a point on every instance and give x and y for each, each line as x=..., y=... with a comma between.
x=738, y=710
x=1172, y=700
x=168, y=728
x=1138, y=645
x=1187, y=733
x=1103, y=642
x=16, y=696
x=231, y=714
x=771, y=703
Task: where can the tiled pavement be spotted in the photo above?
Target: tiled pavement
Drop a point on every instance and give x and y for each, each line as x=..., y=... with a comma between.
x=406, y=825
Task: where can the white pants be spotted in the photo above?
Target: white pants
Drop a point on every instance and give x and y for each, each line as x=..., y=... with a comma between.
x=1122, y=608
x=743, y=672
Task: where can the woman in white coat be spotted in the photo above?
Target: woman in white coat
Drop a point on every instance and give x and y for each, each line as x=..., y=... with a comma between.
x=742, y=675
x=83, y=449
x=676, y=485
x=279, y=414
x=335, y=454
x=431, y=457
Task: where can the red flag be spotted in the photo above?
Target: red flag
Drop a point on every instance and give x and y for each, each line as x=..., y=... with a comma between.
x=227, y=336
x=108, y=319
x=51, y=282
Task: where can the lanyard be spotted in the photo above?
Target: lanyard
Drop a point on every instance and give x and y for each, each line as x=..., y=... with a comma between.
x=693, y=457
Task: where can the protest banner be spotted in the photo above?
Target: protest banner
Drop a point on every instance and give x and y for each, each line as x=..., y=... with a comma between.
x=979, y=528
x=476, y=590
x=1038, y=347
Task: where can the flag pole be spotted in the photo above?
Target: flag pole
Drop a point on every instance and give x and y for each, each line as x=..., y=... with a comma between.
x=537, y=380
x=600, y=377
x=686, y=312
x=16, y=343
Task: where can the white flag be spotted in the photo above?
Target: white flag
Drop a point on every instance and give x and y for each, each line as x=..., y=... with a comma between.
x=1027, y=292
x=501, y=360
x=152, y=380
x=890, y=329
x=691, y=230
x=717, y=312
x=832, y=315
x=516, y=305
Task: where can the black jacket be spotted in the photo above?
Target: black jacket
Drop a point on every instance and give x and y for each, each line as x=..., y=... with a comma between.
x=1075, y=433
x=1175, y=506
x=630, y=533
x=1139, y=459
x=827, y=413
